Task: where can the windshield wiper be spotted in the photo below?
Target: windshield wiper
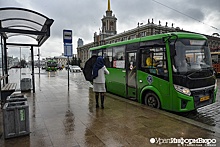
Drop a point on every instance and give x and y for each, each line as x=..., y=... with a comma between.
x=192, y=73
x=207, y=68
x=199, y=71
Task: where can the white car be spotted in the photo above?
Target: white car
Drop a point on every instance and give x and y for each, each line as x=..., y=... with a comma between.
x=75, y=68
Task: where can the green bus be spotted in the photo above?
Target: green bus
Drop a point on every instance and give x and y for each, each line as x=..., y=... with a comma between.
x=51, y=65
x=183, y=80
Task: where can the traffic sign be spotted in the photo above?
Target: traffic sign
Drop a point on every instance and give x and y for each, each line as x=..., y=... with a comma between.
x=68, y=50
x=67, y=36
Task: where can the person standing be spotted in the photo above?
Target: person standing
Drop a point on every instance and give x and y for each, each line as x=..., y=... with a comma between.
x=99, y=71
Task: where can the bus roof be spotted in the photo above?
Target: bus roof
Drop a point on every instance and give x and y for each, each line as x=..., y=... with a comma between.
x=152, y=37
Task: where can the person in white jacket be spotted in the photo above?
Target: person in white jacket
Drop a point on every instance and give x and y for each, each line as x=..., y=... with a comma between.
x=99, y=71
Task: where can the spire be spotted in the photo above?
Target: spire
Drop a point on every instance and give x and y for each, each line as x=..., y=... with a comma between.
x=109, y=7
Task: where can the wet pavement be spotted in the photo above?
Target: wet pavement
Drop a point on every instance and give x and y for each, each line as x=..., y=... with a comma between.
x=62, y=118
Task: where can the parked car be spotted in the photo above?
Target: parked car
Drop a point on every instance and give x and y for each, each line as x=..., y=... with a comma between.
x=75, y=68
x=66, y=66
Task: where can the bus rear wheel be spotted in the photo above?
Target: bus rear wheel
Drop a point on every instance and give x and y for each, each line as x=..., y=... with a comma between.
x=152, y=100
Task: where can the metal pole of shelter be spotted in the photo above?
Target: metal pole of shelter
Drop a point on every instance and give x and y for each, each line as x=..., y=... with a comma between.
x=5, y=60
x=39, y=60
x=32, y=68
x=20, y=63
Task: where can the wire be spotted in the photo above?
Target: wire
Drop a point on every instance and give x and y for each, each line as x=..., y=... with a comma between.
x=185, y=14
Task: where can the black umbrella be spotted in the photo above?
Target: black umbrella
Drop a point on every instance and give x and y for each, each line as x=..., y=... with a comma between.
x=87, y=71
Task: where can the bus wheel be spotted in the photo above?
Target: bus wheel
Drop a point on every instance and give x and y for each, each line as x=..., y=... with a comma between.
x=152, y=100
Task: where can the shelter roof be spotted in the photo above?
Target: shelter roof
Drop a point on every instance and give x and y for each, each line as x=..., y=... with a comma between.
x=20, y=21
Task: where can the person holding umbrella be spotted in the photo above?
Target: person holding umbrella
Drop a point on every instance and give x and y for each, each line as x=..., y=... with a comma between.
x=98, y=72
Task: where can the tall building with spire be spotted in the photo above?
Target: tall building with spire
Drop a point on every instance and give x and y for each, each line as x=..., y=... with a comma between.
x=109, y=22
x=108, y=27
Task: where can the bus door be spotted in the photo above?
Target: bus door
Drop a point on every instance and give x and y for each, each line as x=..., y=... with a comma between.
x=131, y=73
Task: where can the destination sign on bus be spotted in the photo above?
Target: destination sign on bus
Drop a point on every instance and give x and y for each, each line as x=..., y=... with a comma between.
x=197, y=42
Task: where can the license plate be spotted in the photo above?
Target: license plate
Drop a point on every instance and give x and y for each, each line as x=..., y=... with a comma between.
x=204, y=98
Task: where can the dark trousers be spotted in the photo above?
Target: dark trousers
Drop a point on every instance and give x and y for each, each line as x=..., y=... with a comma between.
x=97, y=99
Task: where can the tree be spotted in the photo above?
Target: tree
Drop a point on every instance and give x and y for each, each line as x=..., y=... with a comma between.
x=79, y=61
x=23, y=63
x=74, y=61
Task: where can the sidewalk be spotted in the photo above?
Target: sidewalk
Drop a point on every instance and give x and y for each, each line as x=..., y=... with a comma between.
x=59, y=118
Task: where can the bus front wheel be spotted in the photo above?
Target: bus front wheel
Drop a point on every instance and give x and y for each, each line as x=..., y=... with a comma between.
x=152, y=100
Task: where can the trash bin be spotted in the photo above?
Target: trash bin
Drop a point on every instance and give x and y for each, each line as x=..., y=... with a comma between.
x=16, y=119
x=16, y=97
x=25, y=84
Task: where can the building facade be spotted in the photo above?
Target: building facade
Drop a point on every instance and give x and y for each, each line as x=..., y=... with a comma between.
x=214, y=42
x=61, y=60
x=108, y=34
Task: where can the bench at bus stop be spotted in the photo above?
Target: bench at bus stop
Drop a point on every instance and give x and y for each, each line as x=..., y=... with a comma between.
x=6, y=90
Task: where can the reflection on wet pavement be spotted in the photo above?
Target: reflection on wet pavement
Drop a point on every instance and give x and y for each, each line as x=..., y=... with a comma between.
x=59, y=117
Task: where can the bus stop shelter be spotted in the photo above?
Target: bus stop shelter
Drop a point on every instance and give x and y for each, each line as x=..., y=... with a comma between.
x=22, y=22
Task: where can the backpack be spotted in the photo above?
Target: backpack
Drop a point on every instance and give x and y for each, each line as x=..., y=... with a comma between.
x=87, y=70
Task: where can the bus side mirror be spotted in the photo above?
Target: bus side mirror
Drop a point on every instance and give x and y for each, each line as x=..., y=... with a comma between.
x=172, y=50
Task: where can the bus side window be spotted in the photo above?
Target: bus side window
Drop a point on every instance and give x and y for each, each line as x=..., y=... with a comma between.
x=99, y=52
x=159, y=61
x=107, y=55
x=107, y=61
x=119, y=57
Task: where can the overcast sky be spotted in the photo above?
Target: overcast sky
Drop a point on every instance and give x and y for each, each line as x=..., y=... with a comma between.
x=83, y=17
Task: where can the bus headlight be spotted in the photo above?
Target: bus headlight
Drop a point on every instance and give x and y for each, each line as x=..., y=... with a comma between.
x=182, y=89
x=215, y=84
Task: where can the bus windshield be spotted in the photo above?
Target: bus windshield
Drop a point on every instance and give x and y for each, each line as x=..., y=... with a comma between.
x=191, y=55
x=52, y=63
